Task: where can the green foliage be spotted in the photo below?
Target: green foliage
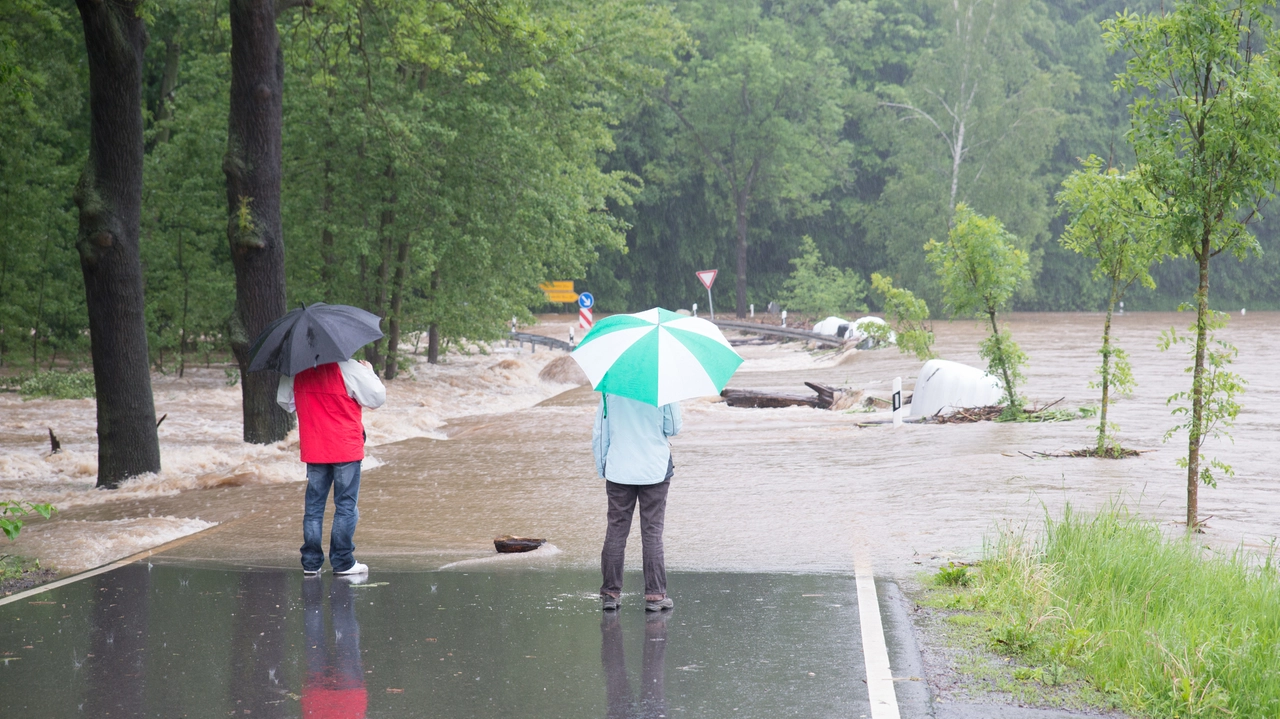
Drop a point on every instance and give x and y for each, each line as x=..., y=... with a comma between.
x=1143, y=617
x=908, y=315
x=1220, y=388
x=12, y=512
x=42, y=149
x=979, y=268
x=1115, y=220
x=817, y=289
x=1206, y=130
x=54, y=385
x=974, y=124
x=760, y=104
x=953, y=575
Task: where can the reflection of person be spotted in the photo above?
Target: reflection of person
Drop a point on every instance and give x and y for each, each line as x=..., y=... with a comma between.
x=328, y=399
x=633, y=456
x=653, y=696
x=334, y=687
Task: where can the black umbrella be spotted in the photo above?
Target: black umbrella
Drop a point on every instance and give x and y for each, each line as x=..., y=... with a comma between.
x=310, y=336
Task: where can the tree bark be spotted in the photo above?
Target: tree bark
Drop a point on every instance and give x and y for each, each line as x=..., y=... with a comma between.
x=741, y=208
x=433, y=332
x=1195, y=436
x=168, y=81
x=109, y=195
x=1106, y=371
x=252, y=167
x=433, y=344
x=397, y=301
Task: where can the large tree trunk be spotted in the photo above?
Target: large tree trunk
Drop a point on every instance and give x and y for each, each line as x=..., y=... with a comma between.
x=393, y=317
x=252, y=167
x=1195, y=436
x=740, y=202
x=109, y=195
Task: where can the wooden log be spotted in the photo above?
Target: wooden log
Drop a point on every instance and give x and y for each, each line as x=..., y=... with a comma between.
x=825, y=397
x=508, y=544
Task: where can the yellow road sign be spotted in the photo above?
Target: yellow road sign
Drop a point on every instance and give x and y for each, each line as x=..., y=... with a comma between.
x=559, y=291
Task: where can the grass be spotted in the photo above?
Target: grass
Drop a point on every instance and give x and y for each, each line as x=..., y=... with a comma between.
x=1160, y=624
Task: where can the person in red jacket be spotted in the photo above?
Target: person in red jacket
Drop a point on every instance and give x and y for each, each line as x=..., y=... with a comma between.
x=327, y=399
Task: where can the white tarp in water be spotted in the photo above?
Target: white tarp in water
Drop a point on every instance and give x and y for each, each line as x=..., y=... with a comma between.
x=944, y=386
x=854, y=331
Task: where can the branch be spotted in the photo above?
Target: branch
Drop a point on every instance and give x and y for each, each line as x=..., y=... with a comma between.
x=283, y=5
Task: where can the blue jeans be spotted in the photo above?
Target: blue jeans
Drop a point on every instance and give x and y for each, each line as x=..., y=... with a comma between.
x=345, y=480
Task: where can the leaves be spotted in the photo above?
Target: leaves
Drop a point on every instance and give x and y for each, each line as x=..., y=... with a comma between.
x=816, y=289
x=909, y=316
x=980, y=267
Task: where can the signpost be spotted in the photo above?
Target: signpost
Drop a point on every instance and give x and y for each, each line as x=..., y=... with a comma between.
x=708, y=278
x=897, y=401
x=585, y=303
x=559, y=291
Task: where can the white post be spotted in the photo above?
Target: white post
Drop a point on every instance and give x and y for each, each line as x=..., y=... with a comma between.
x=897, y=401
x=711, y=304
x=695, y=309
x=784, y=318
x=753, y=311
x=571, y=336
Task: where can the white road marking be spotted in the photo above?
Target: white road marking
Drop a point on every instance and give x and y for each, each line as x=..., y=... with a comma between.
x=875, y=655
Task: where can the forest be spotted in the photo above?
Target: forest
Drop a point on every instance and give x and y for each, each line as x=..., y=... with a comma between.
x=439, y=160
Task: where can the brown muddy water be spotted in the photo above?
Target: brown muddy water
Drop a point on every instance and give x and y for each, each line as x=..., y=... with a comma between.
x=480, y=447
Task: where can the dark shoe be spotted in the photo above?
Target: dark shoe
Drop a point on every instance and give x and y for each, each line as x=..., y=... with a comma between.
x=608, y=602
x=657, y=605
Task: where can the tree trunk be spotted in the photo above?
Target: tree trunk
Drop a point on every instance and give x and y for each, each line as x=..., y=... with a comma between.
x=433, y=344
x=252, y=167
x=109, y=195
x=328, y=268
x=393, y=317
x=1195, y=436
x=433, y=332
x=1106, y=371
x=741, y=200
x=1010, y=392
x=168, y=81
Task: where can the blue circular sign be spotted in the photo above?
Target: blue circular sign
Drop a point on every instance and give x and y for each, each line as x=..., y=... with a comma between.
x=586, y=301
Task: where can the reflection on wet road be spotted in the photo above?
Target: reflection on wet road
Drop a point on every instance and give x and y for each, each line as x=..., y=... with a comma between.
x=171, y=641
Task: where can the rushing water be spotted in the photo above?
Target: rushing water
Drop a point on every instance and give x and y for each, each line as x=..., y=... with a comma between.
x=755, y=490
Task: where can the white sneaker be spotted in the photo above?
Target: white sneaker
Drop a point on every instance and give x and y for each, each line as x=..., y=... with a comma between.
x=356, y=568
x=312, y=572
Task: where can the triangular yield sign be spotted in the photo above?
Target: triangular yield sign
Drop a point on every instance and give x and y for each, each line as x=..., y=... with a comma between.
x=708, y=277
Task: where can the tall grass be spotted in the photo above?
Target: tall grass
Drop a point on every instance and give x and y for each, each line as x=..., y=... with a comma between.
x=1169, y=628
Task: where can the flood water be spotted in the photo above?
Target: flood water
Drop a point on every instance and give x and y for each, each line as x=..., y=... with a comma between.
x=790, y=490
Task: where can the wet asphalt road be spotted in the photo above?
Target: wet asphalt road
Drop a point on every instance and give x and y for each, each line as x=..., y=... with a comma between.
x=177, y=641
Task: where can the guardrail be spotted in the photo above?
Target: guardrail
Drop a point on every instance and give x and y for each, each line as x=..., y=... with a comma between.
x=776, y=331
x=535, y=340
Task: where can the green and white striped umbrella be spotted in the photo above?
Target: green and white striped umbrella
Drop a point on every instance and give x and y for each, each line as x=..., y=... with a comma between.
x=656, y=356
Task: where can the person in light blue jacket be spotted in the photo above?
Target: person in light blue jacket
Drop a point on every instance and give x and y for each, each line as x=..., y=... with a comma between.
x=633, y=456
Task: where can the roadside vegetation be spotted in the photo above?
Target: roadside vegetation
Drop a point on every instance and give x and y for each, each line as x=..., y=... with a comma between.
x=1162, y=627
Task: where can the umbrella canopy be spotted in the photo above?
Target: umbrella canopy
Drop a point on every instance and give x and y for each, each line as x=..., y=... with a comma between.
x=656, y=356
x=310, y=336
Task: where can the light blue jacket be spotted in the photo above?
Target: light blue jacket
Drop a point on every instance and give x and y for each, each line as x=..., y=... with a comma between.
x=629, y=439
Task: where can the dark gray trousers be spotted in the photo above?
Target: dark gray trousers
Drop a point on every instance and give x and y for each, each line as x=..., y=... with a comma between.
x=653, y=511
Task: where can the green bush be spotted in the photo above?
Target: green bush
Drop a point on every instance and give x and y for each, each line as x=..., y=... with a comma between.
x=816, y=289
x=57, y=385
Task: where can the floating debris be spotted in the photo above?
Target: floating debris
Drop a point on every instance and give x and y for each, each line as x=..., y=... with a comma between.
x=508, y=544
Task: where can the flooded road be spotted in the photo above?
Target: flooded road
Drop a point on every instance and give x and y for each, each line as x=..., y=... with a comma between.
x=434, y=644
x=788, y=490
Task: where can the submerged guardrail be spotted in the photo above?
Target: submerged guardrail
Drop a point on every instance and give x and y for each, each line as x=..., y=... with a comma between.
x=535, y=340
x=776, y=331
